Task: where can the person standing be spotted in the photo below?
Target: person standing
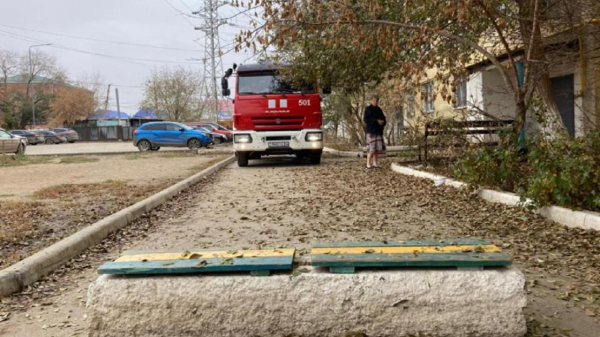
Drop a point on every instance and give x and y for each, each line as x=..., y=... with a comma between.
x=374, y=124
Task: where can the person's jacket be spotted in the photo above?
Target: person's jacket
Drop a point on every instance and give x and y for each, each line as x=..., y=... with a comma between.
x=372, y=114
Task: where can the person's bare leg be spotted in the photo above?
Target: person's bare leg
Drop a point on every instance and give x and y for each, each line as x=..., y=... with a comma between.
x=369, y=159
x=374, y=156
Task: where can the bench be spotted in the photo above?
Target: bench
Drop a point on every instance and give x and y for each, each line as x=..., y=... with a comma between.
x=487, y=127
x=395, y=291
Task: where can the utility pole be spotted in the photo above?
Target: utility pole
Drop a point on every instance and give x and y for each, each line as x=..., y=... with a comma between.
x=212, y=47
x=119, y=130
x=106, y=101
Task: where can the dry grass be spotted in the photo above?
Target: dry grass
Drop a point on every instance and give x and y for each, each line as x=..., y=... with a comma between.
x=77, y=160
x=20, y=160
x=18, y=220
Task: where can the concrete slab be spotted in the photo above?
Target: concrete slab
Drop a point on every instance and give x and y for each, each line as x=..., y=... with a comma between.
x=376, y=303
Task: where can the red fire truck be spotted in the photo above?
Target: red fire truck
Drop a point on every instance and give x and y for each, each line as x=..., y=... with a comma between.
x=273, y=117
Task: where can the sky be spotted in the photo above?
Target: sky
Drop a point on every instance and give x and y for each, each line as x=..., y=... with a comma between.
x=143, y=34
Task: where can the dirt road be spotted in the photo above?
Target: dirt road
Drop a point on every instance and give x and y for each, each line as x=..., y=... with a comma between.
x=284, y=203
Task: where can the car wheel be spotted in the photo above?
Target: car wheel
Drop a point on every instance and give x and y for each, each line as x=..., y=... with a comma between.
x=218, y=141
x=144, y=146
x=20, y=149
x=194, y=144
x=71, y=141
x=315, y=159
x=156, y=148
x=49, y=141
x=242, y=159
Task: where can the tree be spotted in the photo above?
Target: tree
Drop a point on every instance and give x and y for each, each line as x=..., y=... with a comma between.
x=347, y=41
x=176, y=94
x=70, y=105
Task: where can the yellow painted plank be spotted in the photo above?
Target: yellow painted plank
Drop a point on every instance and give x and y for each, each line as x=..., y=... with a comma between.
x=207, y=254
x=404, y=250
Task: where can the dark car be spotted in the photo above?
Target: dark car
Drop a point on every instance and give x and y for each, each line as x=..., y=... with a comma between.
x=213, y=127
x=218, y=138
x=33, y=137
x=70, y=134
x=10, y=143
x=151, y=136
x=52, y=137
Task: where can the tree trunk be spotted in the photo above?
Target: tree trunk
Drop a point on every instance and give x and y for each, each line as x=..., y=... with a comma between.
x=537, y=72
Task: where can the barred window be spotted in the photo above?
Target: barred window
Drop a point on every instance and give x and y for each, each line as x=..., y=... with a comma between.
x=427, y=97
x=460, y=96
x=410, y=102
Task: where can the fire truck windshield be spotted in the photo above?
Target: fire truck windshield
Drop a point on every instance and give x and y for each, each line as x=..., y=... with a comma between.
x=269, y=83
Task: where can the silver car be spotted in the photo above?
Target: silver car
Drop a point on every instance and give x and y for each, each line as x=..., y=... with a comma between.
x=11, y=144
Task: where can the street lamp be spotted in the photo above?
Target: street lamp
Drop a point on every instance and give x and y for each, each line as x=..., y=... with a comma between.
x=31, y=80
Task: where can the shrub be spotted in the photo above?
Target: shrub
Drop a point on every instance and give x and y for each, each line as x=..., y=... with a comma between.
x=562, y=171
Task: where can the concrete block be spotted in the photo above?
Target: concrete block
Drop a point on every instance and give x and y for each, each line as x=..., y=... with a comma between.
x=592, y=220
x=377, y=303
x=563, y=216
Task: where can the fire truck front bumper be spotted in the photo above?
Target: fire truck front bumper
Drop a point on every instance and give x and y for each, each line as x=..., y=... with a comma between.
x=278, y=142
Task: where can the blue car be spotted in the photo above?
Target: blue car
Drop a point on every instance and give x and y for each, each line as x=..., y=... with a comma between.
x=151, y=136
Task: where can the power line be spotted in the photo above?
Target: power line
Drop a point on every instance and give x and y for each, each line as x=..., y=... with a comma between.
x=100, y=40
x=122, y=58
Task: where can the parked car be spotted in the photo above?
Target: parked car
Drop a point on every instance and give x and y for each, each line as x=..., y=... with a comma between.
x=214, y=127
x=70, y=134
x=33, y=138
x=151, y=136
x=10, y=143
x=52, y=137
x=218, y=138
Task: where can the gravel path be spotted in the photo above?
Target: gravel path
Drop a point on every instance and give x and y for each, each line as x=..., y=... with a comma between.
x=273, y=203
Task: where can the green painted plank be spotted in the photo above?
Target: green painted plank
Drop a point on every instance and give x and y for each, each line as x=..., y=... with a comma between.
x=214, y=265
x=412, y=260
x=410, y=243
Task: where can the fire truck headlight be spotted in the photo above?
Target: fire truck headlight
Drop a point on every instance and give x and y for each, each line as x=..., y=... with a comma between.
x=242, y=138
x=314, y=136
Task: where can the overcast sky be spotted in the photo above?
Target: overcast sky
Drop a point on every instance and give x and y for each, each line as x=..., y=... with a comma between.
x=158, y=23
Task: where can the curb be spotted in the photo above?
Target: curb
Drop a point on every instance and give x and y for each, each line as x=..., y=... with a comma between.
x=561, y=215
x=390, y=151
x=29, y=270
x=342, y=153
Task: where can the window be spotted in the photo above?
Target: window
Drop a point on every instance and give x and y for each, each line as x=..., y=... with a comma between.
x=269, y=83
x=410, y=102
x=155, y=127
x=4, y=135
x=172, y=127
x=427, y=97
x=460, y=96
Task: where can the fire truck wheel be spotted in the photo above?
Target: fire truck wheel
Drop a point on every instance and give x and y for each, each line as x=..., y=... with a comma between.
x=242, y=159
x=315, y=159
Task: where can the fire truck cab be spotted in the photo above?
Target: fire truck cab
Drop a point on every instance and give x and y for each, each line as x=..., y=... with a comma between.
x=273, y=117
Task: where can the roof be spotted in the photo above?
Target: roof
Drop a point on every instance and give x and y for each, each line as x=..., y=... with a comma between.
x=109, y=114
x=145, y=114
x=262, y=66
x=25, y=79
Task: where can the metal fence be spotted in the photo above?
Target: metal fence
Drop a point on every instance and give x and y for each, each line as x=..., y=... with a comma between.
x=100, y=133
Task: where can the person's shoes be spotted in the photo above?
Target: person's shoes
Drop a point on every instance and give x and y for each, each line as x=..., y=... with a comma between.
x=376, y=167
x=369, y=167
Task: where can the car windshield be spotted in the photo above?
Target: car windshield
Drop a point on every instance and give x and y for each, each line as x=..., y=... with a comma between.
x=182, y=126
x=269, y=83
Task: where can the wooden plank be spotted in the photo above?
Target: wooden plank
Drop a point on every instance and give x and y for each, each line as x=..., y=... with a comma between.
x=212, y=265
x=410, y=243
x=406, y=250
x=412, y=260
x=195, y=254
